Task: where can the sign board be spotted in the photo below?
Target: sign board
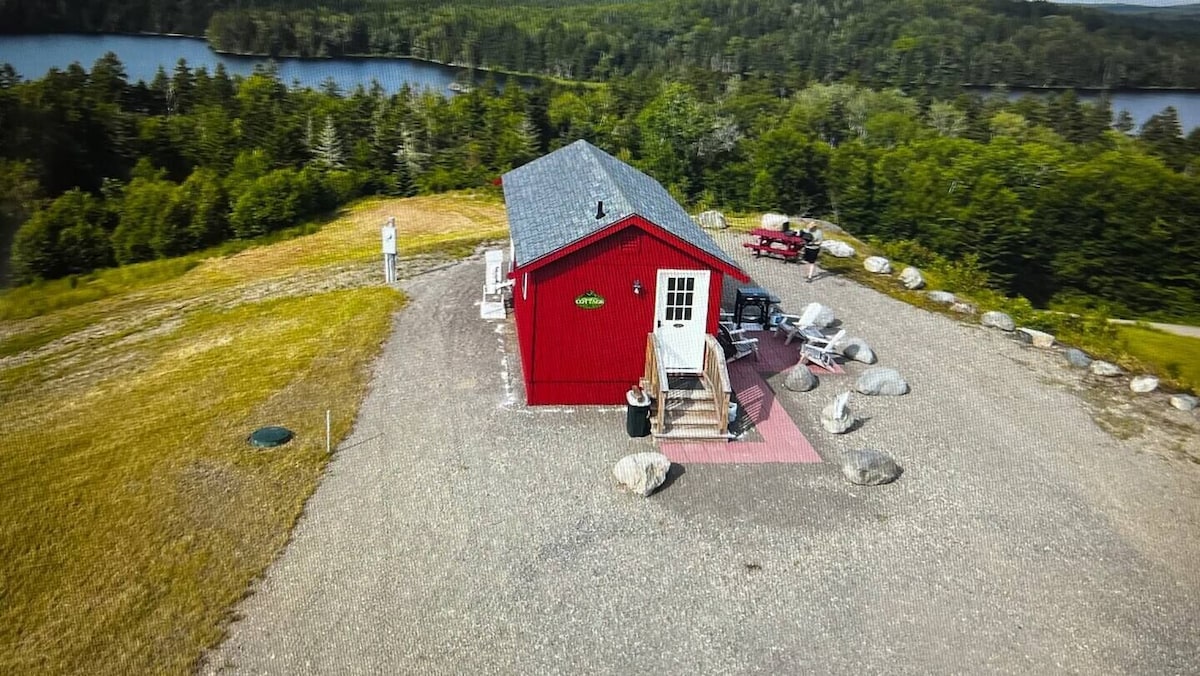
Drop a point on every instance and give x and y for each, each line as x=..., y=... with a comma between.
x=589, y=301
x=388, y=233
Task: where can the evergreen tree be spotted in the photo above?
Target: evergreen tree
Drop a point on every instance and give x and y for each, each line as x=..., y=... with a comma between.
x=403, y=184
x=1163, y=136
x=1124, y=123
x=107, y=81
x=183, y=87
x=328, y=152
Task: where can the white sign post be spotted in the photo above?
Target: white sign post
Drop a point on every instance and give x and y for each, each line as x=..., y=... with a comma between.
x=388, y=233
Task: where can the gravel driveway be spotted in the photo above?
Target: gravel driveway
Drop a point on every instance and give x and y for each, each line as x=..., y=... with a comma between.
x=458, y=532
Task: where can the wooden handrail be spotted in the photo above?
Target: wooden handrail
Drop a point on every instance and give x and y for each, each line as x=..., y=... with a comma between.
x=717, y=375
x=656, y=378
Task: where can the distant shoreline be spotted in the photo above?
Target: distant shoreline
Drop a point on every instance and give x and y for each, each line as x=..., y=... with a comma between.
x=567, y=81
x=1089, y=90
x=257, y=55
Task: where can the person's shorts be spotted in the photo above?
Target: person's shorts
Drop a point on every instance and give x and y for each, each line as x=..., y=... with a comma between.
x=810, y=255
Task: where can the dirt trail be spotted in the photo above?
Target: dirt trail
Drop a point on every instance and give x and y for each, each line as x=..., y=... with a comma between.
x=1177, y=329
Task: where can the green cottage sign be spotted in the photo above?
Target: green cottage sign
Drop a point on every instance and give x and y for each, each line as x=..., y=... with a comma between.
x=589, y=300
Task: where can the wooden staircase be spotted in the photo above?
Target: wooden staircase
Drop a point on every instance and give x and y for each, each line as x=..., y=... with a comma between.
x=688, y=406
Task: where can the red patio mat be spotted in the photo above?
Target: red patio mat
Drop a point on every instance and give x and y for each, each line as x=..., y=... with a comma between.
x=775, y=357
x=782, y=442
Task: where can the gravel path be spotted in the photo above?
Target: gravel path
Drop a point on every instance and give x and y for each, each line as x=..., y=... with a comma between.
x=1177, y=329
x=456, y=532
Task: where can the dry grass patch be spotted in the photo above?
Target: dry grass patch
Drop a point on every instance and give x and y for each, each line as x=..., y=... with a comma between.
x=347, y=248
x=136, y=513
x=133, y=514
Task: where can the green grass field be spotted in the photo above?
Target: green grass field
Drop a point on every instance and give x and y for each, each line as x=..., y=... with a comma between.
x=133, y=514
x=1176, y=358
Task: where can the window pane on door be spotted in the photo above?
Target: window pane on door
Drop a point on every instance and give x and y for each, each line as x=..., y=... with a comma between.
x=679, y=299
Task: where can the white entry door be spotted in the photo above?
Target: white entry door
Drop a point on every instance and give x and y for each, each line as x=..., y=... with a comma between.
x=680, y=318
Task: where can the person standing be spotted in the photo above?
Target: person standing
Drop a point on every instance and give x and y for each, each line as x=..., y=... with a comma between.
x=812, y=249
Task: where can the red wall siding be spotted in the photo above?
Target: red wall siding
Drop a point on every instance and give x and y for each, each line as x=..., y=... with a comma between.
x=576, y=356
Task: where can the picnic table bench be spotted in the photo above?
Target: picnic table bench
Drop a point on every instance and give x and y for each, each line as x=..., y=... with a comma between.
x=784, y=245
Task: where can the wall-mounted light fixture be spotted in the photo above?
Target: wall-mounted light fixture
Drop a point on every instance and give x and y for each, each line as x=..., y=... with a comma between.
x=637, y=287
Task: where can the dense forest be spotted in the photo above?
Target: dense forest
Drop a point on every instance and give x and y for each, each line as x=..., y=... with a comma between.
x=909, y=44
x=1054, y=200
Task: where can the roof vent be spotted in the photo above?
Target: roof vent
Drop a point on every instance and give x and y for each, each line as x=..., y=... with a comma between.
x=599, y=210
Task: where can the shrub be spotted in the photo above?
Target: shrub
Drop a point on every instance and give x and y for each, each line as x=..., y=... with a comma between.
x=907, y=251
x=963, y=276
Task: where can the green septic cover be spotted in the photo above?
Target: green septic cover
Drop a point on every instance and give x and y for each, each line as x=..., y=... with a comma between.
x=267, y=437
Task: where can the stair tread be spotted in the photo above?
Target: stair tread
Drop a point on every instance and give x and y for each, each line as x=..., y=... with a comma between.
x=692, y=435
x=691, y=414
x=689, y=394
x=691, y=405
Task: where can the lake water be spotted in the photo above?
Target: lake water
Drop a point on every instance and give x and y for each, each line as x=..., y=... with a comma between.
x=33, y=55
x=1140, y=104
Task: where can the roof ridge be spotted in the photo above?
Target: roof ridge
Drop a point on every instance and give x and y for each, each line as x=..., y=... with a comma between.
x=609, y=175
x=550, y=202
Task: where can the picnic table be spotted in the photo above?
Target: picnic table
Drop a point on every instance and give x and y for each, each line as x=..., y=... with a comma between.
x=787, y=246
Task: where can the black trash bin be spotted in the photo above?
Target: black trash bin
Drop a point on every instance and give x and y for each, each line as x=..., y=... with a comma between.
x=637, y=413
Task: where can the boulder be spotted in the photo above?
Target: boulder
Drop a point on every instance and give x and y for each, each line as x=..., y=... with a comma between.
x=836, y=418
x=1038, y=338
x=858, y=350
x=817, y=315
x=641, y=473
x=800, y=379
x=1078, y=358
x=963, y=308
x=774, y=221
x=941, y=297
x=997, y=320
x=712, y=219
x=912, y=278
x=837, y=248
x=1143, y=384
x=869, y=467
x=1106, y=369
x=878, y=264
x=881, y=381
x=806, y=222
x=1184, y=402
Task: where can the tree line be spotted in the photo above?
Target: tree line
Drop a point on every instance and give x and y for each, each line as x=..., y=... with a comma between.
x=1055, y=200
x=912, y=44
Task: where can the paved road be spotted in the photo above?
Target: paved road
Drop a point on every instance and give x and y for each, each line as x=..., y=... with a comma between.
x=1177, y=329
x=455, y=532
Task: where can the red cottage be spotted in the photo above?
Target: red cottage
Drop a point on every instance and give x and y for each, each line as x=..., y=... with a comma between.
x=602, y=255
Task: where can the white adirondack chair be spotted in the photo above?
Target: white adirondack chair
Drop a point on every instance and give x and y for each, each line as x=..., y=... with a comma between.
x=821, y=350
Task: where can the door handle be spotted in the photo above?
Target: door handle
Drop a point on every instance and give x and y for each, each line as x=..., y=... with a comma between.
x=678, y=326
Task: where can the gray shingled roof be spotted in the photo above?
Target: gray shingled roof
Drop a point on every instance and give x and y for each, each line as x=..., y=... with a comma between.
x=551, y=202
